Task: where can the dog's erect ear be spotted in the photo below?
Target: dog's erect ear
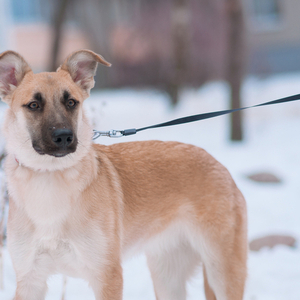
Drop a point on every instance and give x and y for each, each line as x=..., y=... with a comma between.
x=82, y=66
x=13, y=68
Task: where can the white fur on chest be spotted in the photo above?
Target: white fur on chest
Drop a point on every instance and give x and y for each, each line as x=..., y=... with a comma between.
x=51, y=201
x=46, y=197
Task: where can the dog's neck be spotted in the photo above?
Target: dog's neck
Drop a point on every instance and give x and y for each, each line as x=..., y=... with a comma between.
x=28, y=158
x=84, y=160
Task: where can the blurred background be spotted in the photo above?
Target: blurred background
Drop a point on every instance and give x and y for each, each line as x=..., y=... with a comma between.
x=165, y=45
x=172, y=58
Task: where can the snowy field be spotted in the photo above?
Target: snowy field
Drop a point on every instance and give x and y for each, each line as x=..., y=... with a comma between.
x=271, y=144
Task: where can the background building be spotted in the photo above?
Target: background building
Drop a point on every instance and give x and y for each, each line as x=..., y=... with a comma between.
x=273, y=35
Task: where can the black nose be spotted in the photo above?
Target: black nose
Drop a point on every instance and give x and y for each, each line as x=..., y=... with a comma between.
x=62, y=137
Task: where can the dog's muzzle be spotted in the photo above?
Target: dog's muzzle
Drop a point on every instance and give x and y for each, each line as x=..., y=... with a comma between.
x=59, y=143
x=62, y=138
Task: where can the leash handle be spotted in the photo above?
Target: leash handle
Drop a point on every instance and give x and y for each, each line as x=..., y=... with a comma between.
x=189, y=119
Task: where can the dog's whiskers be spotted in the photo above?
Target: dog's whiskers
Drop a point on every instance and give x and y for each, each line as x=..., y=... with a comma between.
x=70, y=156
x=81, y=144
x=26, y=141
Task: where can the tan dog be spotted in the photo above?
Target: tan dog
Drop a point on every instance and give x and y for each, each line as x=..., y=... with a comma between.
x=78, y=208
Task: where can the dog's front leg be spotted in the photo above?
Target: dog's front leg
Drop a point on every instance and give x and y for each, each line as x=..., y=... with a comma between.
x=32, y=264
x=31, y=287
x=32, y=277
x=108, y=285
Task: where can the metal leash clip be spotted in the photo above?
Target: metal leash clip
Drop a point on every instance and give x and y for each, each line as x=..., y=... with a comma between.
x=111, y=133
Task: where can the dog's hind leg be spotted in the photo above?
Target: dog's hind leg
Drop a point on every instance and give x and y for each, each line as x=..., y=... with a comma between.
x=108, y=283
x=170, y=269
x=224, y=274
x=223, y=249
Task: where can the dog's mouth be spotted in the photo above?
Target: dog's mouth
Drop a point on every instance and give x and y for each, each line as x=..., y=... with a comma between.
x=38, y=150
x=60, y=154
x=55, y=151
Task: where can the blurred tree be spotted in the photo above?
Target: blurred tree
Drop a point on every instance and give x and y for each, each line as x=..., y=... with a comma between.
x=180, y=33
x=236, y=64
x=96, y=18
x=59, y=15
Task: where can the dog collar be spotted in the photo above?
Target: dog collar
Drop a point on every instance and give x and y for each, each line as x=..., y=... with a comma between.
x=20, y=165
x=18, y=162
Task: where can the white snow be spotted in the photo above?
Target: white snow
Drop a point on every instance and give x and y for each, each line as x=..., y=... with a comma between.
x=271, y=143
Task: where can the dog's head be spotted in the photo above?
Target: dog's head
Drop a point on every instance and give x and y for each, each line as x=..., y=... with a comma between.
x=45, y=126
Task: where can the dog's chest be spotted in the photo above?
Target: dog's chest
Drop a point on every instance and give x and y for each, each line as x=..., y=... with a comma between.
x=46, y=197
x=62, y=253
x=74, y=252
x=60, y=237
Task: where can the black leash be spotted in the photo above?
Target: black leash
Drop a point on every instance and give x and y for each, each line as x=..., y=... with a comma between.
x=193, y=118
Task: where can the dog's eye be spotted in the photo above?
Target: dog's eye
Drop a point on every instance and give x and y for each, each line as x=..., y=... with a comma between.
x=33, y=105
x=71, y=103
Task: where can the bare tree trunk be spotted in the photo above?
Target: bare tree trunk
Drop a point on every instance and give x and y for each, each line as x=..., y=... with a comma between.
x=180, y=44
x=236, y=57
x=96, y=19
x=59, y=14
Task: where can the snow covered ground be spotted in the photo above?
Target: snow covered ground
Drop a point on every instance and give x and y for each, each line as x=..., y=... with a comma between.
x=271, y=144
